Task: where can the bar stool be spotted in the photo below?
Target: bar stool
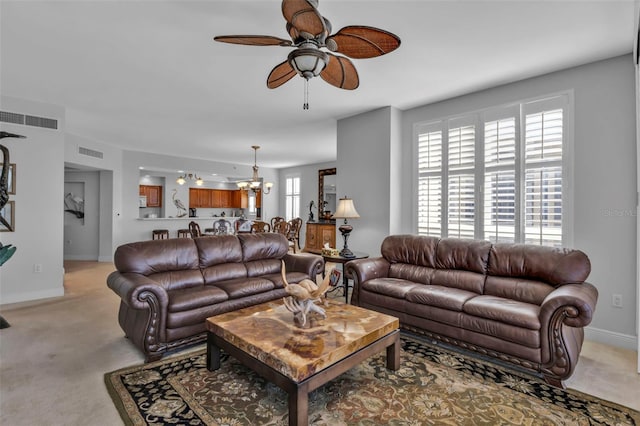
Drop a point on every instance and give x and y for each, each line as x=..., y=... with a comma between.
x=160, y=234
x=184, y=233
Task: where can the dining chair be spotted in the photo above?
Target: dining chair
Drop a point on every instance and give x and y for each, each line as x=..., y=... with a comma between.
x=282, y=227
x=275, y=220
x=222, y=227
x=294, y=233
x=194, y=229
x=259, y=226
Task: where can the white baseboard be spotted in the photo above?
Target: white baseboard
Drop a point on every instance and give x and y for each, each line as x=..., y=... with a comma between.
x=92, y=257
x=32, y=295
x=105, y=258
x=611, y=338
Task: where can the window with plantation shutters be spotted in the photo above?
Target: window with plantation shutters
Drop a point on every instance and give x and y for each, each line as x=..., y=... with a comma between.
x=292, y=198
x=496, y=174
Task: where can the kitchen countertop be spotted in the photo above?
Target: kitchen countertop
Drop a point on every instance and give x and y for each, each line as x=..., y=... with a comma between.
x=230, y=218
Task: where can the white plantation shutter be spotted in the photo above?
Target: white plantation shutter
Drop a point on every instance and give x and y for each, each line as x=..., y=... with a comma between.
x=543, y=181
x=461, y=196
x=500, y=206
x=504, y=183
x=462, y=148
x=500, y=185
x=430, y=182
x=461, y=189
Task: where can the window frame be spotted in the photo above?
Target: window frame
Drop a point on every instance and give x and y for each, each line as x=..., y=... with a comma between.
x=563, y=99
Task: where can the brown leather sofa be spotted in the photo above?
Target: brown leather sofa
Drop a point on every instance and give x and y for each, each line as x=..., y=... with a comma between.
x=523, y=304
x=169, y=287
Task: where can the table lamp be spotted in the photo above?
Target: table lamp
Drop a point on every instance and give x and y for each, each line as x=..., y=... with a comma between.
x=346, y=210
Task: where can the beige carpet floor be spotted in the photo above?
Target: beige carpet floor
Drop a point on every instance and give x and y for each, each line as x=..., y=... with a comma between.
x=54, y=356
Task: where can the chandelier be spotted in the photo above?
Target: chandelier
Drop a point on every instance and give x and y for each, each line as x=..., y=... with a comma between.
x=190, y=176
x=255, y=184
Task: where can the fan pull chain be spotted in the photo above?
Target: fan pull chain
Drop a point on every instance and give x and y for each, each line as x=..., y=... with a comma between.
x=305, y=106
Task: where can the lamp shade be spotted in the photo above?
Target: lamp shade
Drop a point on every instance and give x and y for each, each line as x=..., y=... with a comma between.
x=346, y=209
x=308, y=61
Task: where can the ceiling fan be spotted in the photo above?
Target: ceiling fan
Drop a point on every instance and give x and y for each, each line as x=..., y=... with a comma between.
x=310, y=32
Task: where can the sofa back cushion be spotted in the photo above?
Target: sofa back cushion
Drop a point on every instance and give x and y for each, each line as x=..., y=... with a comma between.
x=216, y=249
x=528, y=273
x=411, y=249
x=262, y=252
x=555, y=266
x=220, y=258
x=449, y=262
x=173, y=263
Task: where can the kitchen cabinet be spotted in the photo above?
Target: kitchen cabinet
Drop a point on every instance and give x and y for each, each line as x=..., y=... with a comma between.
x=317, y=234
x=199, y=198
x=153, y=194
x=217, y=198
x=240, y=199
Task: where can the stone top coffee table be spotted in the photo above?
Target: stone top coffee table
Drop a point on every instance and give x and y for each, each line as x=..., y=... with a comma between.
x=299, y=360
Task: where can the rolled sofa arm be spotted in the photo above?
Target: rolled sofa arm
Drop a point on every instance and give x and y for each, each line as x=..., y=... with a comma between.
x=308, y=263
x=135, y=290
x=577, y=302
x=563, y=314
x=362, y=270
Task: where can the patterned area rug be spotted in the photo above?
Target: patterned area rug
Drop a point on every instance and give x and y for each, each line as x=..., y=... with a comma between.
x=432, y=387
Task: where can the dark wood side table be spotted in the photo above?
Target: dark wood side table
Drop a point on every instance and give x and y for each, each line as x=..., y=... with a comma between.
x=342, y=260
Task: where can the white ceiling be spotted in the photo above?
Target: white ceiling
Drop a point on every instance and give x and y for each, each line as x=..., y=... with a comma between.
x=146, y=75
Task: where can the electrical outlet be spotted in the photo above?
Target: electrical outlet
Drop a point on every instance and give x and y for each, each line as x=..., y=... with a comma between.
x=616, y=300
x=37, y=268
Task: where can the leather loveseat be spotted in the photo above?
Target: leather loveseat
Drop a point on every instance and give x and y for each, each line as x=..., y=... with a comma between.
x=523, y=304
x=169, y=287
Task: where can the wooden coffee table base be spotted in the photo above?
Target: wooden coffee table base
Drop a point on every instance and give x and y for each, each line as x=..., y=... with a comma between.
x=299, y=391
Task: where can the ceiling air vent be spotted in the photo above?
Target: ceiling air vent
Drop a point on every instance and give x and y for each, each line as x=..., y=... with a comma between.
x=90, y=152
x=28, y=120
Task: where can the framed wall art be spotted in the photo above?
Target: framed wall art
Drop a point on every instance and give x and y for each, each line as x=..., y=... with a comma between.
x=8, y=213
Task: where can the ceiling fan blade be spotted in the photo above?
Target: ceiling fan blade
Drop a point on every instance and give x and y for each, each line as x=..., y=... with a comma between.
x=304, y=19
x=280, y=75
x=341, y=73
x=253, y=40
x=362, y=42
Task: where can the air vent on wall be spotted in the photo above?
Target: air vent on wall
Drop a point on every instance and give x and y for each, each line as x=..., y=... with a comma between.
x=90, y=152
x=28, y=120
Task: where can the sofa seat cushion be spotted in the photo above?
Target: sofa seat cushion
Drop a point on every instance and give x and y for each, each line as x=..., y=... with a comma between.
x=242, y=287
x=501, y=331
x=292, y=278
x=195, y=297
x=440, y=296
x=505, y=311
x=393, y=287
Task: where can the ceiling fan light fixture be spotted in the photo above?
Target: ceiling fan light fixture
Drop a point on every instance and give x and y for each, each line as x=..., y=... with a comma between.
x=308, y=62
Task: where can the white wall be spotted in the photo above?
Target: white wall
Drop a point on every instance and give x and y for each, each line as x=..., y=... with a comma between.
x=367, y=145
x=604, y=176
x=38, y=205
